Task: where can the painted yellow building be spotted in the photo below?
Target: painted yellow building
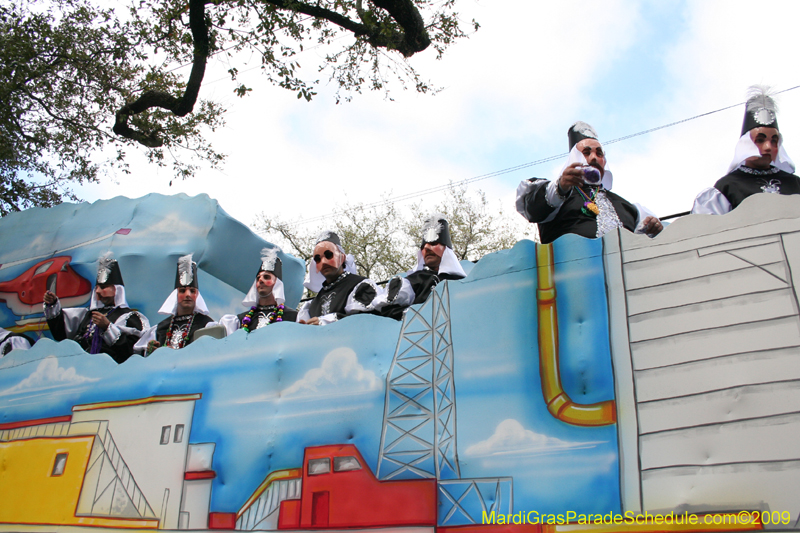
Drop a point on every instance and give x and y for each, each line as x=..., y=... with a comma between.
x=41, y=481
x=124, y=465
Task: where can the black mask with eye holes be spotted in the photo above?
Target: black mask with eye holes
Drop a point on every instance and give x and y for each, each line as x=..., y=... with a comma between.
x=327, y=254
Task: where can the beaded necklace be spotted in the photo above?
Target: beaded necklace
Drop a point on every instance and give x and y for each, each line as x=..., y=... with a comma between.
x=275, y=316
x=758, y=171
x=327, y=286
x=184, y=334
x=589, y=208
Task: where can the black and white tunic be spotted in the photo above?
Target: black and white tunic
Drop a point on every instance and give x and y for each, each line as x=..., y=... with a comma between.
x=348, y=294
x=76, y=324
x=421, y=282
x=174, y=336
x=261, y=316
x=424, y=281
x=732, y=189
x=13, y=341
x=538, y=201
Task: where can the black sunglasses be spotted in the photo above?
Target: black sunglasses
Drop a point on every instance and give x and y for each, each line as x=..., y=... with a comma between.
x=328, y=255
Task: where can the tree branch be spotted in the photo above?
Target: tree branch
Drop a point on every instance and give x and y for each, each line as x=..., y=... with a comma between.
x=412, y=39
x=11, y=203
x=415, y=37
x=178, y=106
x=66, y=120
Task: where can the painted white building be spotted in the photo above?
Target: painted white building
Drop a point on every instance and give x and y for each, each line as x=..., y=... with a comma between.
x=152, y=435
x=196, y=496
x=705, y=345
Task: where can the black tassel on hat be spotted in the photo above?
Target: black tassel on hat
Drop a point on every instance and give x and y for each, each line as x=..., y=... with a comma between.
x=270, y=262
x=328, y=236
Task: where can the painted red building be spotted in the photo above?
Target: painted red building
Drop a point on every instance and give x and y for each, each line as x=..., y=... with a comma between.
x=340, y=491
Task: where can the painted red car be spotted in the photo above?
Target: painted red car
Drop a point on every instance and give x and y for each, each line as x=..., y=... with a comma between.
x=24, y=294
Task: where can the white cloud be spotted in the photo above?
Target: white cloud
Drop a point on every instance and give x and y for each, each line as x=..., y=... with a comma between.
x=41, y=244
x=510, y=82
x=531, y=70
x=510, y=438
x=48, y=375
x=340, y=373
x=709, y=66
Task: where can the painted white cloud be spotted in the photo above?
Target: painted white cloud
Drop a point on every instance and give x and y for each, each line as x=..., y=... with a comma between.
x=339, y=373
x=170, y=225
x=41, y=244
x=47, y=375
x=510, y=438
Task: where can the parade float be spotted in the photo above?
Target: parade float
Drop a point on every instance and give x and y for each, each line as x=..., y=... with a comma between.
x=580, y=386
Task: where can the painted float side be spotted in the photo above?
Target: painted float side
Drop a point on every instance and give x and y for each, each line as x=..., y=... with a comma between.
x=708, y=337
x=530, y=388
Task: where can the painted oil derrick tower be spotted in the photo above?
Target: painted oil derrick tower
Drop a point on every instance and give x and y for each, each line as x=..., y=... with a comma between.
x=418, y=438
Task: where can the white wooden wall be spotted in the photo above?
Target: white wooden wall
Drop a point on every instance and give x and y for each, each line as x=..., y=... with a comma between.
x=706, y=345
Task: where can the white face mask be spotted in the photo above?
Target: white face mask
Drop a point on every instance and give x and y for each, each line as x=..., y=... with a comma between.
x=746, y=148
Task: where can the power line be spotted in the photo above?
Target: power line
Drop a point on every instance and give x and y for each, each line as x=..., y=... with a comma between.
x=688, y=119
x=438, y=188
x=474, y=179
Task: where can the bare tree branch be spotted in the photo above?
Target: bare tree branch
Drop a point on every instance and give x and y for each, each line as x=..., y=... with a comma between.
x=178, y=106
x=414, y=38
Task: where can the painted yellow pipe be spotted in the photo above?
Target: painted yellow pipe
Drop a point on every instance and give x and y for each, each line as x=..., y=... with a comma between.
x=558, y=403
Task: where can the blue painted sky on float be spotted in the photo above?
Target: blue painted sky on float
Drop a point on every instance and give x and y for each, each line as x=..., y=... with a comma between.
x=161, y=229
x=268, y=395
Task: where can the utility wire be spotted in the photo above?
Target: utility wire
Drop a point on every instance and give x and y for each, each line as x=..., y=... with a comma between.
x=467, y=181
x=474, y=179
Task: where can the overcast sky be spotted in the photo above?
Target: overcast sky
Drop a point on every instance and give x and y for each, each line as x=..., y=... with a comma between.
x=510, y=92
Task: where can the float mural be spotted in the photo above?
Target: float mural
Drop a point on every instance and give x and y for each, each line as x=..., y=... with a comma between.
x=58, y=248
x=588, y=378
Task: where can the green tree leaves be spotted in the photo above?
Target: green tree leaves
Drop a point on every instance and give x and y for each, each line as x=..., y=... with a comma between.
x=77, y=79
x=384, y=240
